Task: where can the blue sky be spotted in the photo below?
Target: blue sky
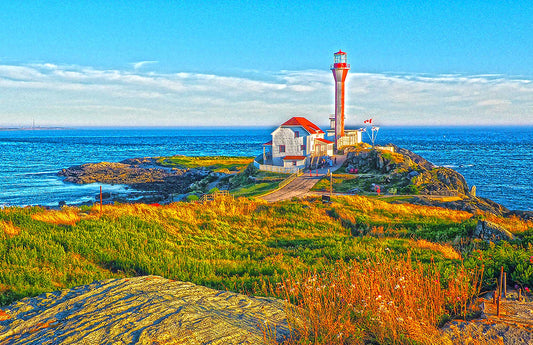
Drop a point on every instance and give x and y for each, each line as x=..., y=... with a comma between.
x=189, y=63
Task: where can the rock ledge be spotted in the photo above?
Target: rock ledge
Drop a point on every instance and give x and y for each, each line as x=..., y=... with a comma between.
x=142, y=310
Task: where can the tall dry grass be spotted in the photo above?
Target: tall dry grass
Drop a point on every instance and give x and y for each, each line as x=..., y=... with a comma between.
x=446, y=250
x=513, y=223
x=388, y=300
x=8, y=228
x=65, y=216
x=378, y=210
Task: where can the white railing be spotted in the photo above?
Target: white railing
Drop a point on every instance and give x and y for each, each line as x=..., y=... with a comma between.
x=276, y=168
x=348, y=140
x=385, y=148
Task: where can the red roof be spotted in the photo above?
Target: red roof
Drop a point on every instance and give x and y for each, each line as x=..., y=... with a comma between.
x=305, y=123
x=324, y=141
x=293, y=157
x=340, y=52
x=268, y=143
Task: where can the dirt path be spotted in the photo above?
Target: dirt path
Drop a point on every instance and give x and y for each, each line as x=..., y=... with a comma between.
x=301, y=185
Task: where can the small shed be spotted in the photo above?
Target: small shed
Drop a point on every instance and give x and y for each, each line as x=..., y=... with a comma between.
x=323, y=147
x=294, y=161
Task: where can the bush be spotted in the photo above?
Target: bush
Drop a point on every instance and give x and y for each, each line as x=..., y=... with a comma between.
x=192, y=197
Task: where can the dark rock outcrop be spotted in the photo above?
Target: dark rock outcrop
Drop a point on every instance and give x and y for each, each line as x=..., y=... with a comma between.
x=491, y=232
x=141, y=174
x=407, y=173
x=406, y=169
x=440, y=181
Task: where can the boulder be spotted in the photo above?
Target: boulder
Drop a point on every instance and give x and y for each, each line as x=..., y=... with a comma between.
x=492, y=232
x=143, y=310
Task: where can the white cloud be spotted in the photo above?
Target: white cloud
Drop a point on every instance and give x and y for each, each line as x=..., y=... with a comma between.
x=73, y=95
x=140, y=64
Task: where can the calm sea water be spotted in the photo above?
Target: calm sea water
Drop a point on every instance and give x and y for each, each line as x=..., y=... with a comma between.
x=498, y=161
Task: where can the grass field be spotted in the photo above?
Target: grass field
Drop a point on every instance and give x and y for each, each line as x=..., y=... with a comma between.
x=349, y=247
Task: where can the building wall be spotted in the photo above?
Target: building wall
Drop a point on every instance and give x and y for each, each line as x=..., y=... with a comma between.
x=285, y=136
x=299, y=163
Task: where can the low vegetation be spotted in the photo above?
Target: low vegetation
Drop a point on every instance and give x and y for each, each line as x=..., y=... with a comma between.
x=216, y=163
x=340, y=262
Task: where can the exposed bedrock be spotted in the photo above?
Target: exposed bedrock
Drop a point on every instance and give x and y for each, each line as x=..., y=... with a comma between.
x=143, y=310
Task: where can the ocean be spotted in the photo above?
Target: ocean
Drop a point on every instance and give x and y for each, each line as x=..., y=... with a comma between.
x=497, y=160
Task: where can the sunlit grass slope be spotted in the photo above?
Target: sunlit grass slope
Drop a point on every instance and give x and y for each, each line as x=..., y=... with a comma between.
x=238, y=244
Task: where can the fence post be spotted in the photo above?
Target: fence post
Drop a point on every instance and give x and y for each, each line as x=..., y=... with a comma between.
x=505, y=285
x=100, y=199
x=501, y=281
x=498, y=306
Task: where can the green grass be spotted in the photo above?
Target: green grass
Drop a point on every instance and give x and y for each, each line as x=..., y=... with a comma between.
x=343, y=183
x=252, y=182
x=211, y=162
x=229, y=244
x=254, y=189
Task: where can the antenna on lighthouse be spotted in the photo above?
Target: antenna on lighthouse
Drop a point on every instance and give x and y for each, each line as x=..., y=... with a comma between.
x=340, y=69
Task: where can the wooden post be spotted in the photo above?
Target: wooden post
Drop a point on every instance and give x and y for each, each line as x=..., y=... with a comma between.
x=330, y=184
x=498, y=306
x=501, y=282
x=494, y=296
x=505, y=285
x=100, y=199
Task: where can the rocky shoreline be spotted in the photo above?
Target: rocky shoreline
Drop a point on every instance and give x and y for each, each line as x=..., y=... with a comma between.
x=401, y=172
x=149, y=181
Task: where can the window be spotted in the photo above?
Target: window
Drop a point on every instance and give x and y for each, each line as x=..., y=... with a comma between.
x=293, y=162
x=281, y=148
x=296, y=134
x=302, y=147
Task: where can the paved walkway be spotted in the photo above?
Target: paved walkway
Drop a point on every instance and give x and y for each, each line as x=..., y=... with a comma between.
x=301, y=185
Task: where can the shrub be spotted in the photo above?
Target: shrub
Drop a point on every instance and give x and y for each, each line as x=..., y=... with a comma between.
x=192, y=197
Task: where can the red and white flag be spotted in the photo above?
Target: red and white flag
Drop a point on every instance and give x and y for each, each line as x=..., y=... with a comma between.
x=368, y=121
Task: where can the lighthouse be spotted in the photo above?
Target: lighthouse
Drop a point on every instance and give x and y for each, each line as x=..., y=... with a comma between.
x=340, y=70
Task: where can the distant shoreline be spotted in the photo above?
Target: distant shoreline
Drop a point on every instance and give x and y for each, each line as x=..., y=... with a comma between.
x=30, y=128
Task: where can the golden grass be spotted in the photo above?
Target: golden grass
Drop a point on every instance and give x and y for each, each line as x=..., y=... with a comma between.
x=445, y=249
x=388, y=300
x=382, y=211
x=9, y=229
x=65, y=216
x=514, y=224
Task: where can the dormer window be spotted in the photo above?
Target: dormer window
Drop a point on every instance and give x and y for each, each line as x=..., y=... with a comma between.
x=296, y=134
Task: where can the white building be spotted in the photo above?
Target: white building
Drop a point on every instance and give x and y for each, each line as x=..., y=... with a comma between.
x=294, y=143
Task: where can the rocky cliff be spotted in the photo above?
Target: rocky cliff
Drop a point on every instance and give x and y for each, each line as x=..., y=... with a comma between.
x=142, y=310
x=404, y=172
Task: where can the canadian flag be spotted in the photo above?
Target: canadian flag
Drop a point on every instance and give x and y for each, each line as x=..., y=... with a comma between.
x=368, y=121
